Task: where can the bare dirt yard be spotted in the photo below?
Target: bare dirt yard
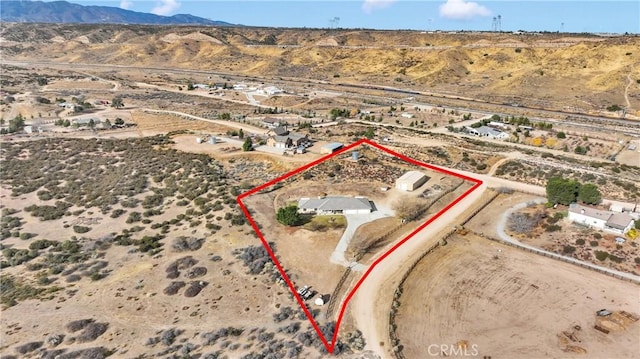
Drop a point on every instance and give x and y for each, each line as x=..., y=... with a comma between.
x=502, y=302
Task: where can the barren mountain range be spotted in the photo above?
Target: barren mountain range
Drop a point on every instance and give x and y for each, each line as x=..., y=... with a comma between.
x=559, y=71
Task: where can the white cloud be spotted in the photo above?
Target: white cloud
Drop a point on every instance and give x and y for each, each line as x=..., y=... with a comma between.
x=126, y=4
x=165, y=7
x=462, y=10
x=369, y=5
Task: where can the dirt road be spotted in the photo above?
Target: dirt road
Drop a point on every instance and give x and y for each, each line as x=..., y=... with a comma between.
x=247, y=128
x=370, y=317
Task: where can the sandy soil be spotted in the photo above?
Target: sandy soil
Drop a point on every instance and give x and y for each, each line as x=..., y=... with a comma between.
x=511, y=303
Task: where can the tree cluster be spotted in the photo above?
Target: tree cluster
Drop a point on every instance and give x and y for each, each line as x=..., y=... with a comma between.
x=289, y=216
x=566, y=191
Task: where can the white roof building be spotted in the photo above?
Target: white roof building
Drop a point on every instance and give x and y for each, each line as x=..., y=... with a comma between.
x=619, y=223
x=411, y=181
x=335, y=205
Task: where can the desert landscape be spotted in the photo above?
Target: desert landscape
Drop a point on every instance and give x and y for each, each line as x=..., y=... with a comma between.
x=127, y=153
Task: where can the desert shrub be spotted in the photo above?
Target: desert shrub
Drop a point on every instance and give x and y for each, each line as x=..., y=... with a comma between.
x=284, y=314
x=73, y=278
x=580, y=241
x=130, y=203
x=522, y=223
x=593, y=243
x=153, y=200
x=597, y=235
x=182, y=244
x=77, y=325
x=615, y=258
x=254, y=257
x=568, y=249
x=28, y=347
x=150, y=244
x=88, y=353
x=553, y=228
x=47, y=212
x=134, y=217
x=173, y=288
x=194, y=288
x=196, y=272
x=92, y=331
x=42, y=244
x=216, y=258
x=81, y=229
x=117, y=213
x=601, y=255
x=292, y=328
x=169, y=336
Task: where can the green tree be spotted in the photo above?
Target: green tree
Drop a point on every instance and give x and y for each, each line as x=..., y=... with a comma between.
x=369, y=133
x=92, y=124
x=16, y=124
x=119, y=121
x=580, y=150
x=66, y=123
x=107, y=123
x=562, y=190
x=240, y=134
x=288, y=216
x=190, y=86
x=561, y=135
x=247, y=145
x=117, y=102
x=589, y=194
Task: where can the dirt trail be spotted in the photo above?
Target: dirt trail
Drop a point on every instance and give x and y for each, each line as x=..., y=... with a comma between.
x=626, y=91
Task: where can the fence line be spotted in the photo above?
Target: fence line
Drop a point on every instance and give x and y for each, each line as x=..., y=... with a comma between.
x=393, y=336
x=332, y=300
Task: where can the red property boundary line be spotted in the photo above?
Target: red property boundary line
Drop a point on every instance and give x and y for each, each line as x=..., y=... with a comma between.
x=330, y=346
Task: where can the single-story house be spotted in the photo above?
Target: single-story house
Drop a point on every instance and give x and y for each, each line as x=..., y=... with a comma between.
x=331, y=147
x=291, y=139
x=486, y=131
x=272, y=122
x=269, y=90
x=619, y=223
x=335, y=205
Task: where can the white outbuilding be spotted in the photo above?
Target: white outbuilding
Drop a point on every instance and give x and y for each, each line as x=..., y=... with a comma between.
x=411, y=180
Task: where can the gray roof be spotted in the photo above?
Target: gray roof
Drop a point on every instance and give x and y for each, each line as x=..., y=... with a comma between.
x=619, y=220
x=488, y=131
x=334, y=203
x=280, y=131
x=292, y=135
x=590, y=212
x=333, y=145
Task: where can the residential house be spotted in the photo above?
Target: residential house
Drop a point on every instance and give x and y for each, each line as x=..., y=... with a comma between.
x=272, y=122
x=335, y=205
x=619, y=223
x=486, y=131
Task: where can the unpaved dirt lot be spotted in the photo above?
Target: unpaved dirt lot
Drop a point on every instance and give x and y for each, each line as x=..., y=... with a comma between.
x=508, y=303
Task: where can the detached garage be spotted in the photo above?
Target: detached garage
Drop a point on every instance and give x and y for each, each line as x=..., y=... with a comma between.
x=411, y=181
x=331, y=147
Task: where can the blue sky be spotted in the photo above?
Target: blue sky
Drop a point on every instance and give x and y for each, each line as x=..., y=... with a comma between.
x=569, y=15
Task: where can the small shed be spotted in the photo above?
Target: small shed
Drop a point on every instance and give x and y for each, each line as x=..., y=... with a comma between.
x=331, y=147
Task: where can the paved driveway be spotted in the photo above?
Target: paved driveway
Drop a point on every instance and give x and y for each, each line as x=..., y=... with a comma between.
x=353, y=222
